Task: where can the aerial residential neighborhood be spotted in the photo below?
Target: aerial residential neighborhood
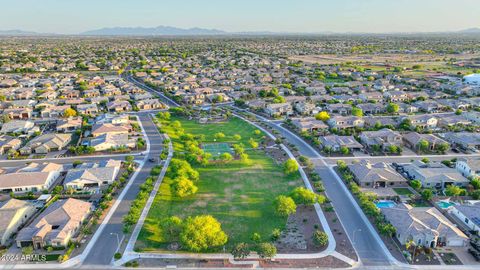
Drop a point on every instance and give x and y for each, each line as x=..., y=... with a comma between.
x=254, y=134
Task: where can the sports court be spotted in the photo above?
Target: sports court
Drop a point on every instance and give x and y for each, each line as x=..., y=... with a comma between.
x=216, y=149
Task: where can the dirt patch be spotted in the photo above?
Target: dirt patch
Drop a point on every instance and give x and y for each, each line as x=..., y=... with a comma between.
x=298, y=234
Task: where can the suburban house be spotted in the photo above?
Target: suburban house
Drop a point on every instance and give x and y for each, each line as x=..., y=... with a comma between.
x=88, y=109
x=95, y=176
x=69, y=125
x=103, y=128
x=376, y=175
x=342, y=122
x=464, y=140
x=383, y=138
x=149, y=104
x=335, y=142
x=119, y=106
x=17, y=126
x=413, y=139
x=468, y=167
x=8, y=143
x=468, y=214
x=109, y=141
x=423, y=121
x=426, y=226
x=27, y=181
x=56, y=225
x=278, y=109
x=46, y=143
x=309, y=124
x=434, y=175
x=13, y=214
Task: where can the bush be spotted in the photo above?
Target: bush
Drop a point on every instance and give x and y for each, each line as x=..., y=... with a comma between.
x=117, y=256
x=266, y=250
x=320, y=238
x=284, y=206
x=290, y=166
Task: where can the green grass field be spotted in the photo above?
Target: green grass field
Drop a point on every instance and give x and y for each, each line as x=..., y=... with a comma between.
x=239, y=195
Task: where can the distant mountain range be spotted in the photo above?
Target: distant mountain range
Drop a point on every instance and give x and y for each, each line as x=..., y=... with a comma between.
x=196, y=31
x=153, y=31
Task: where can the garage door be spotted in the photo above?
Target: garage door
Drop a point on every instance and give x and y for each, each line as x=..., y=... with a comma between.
x=455, y=243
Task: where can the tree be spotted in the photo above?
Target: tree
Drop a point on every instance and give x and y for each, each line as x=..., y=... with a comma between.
x=184, y=187
x=320, y=238
x=226, y=157
x=344, y=150
x=253, y=143
x=284, y=206
x=357, y=112
x=305, y=196
x=201, y=233
x=171, y=228
x=69, y=112
x=416, y=184
x=290, y=166
x=423, y=145
x=241, y=251
x=475, y=182
x=453, y=191
x=427, y=194
x=219, y=135
x=237, y=137
x=393, y=107
x=387, y=229
x=442, y=148
x=266, y=250
x=322, y=116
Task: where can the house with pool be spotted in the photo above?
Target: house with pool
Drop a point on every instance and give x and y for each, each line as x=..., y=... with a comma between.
x=426, y=226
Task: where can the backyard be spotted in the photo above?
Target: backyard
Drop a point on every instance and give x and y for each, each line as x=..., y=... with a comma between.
x=238, y=194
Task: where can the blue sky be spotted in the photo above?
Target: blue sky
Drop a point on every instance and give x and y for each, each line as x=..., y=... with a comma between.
x=73, y=16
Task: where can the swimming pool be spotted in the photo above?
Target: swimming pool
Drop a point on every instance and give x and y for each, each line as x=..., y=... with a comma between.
x=385, y=204
x=445, y=204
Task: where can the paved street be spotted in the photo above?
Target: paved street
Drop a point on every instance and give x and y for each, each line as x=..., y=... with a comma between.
x=369, y=246
x=106, y=245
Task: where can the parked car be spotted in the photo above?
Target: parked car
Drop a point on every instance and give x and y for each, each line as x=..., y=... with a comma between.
x=475, y=245
x=475, y=254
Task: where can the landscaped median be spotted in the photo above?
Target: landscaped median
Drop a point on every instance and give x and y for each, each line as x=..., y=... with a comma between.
x=229, y=187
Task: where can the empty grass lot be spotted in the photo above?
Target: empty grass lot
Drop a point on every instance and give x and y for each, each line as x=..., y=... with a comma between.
x=239, y=195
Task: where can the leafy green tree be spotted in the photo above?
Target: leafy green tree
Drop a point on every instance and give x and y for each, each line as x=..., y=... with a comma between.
x=453, y=191
x=226, y=157
x=171, y=228
x=284, y=206
x=427, y=194
x=344, y=150
x=357, y=112
x=290, y=166
x=423, y=145
x=201, y=233
x=416, y=184
x=253, y=143
x=183, y=187
x=304, y=196
x=393, y=107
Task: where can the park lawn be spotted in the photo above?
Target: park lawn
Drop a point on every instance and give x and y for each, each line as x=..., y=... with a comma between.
x=230, y=128
x=402, y=191
x=239, y=195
